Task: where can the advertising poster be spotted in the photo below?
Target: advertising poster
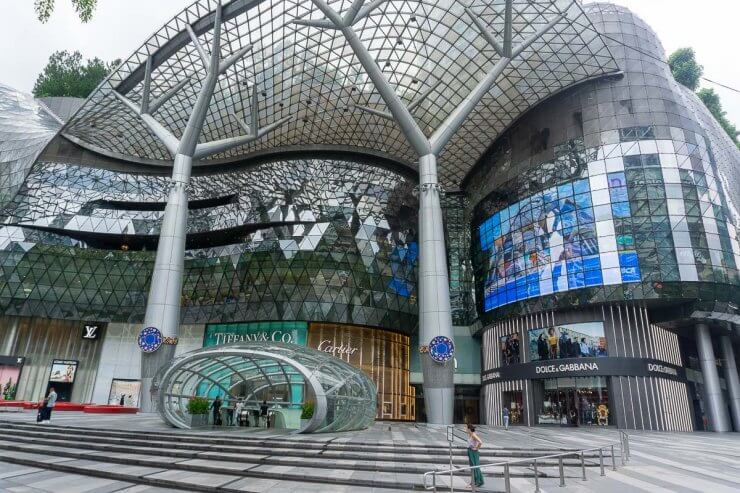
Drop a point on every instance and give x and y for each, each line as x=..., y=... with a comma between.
x=63, y=371
x=584, y=340
x=547, y=243
x=510, y=349
x=124, y=393
x=9, y=376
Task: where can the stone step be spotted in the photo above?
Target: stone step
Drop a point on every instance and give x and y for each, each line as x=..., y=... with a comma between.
x=277, y=443
x=213, y=475
x=359, y=463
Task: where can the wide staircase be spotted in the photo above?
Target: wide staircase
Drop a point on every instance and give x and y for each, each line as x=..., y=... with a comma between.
x=219, y=462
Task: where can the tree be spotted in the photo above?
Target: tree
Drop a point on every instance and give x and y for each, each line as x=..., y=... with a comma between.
x=713, y=104
x=684, y=67
x=84, y=9
x=66, y=75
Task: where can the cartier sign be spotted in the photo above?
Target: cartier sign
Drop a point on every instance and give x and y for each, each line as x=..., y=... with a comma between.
x=343, y=349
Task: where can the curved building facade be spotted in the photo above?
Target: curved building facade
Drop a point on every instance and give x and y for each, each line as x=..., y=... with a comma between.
x=604, y=229
x=579, y=207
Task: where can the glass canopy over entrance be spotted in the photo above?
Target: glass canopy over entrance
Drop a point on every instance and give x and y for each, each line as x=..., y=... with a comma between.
x=285, y=375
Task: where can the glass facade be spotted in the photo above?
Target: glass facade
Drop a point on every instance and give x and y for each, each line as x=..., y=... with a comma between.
x=573, y=401
x=308, y=239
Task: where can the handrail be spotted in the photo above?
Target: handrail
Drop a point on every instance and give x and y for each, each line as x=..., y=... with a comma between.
x=623, y=449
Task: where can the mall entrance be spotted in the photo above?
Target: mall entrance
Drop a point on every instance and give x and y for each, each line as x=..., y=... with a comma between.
x=574, y=401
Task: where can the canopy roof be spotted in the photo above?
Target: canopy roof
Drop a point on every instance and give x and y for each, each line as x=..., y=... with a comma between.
x=431, y=51
x=344, y=397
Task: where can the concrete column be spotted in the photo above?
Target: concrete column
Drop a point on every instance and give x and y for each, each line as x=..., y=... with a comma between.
x=435, y=317
x=165, y=290
x=732, y=380
x=715, y=403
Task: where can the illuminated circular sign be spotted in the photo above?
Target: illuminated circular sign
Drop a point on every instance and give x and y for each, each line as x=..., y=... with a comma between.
x=150, y=339
x=441, y=349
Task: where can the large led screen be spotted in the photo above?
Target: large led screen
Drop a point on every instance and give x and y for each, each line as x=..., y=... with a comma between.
x=559, y=239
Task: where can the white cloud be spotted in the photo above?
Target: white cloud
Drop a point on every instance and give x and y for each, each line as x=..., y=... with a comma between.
x=120, y=26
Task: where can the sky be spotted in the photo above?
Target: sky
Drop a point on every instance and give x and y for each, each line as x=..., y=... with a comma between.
x=120, y=26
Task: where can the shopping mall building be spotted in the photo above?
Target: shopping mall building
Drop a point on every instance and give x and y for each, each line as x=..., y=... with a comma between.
x=328, y=159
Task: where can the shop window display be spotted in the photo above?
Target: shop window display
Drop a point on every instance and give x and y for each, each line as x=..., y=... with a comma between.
x=579, y=401
x=514, y=402
x=583, y=340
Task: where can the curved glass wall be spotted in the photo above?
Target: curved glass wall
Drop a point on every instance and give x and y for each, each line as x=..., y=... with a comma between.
x=618, y=189
x=344, y=397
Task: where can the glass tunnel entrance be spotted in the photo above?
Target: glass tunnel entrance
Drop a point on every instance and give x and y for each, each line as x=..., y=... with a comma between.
x=266, y=384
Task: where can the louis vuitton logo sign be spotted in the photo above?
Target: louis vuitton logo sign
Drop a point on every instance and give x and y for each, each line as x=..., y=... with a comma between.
x=90, y=332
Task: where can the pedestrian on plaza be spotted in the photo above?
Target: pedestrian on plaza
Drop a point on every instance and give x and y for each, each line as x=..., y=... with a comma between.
x=263, y=413
x=474, y=445
x=506, y=417
x=49, y=403
x=123, y=400
x=216, y=405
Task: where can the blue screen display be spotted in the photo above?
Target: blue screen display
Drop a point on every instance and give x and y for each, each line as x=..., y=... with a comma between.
x=559, y=239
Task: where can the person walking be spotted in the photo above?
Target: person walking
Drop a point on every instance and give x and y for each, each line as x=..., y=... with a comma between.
x=506, y=417
x=474, y=445
x=49, y=403
x=216, y=405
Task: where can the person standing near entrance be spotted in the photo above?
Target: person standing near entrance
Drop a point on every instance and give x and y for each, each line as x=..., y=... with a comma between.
x=49, y=403
x=506, y=417
x=474, y=445
x=217, y=411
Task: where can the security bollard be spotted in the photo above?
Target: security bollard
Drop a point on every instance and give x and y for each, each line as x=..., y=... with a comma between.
x=614, y=460
x=583, y=467
x=507, y=479
x=536, y=478
x=601, y=461
x=562, y=472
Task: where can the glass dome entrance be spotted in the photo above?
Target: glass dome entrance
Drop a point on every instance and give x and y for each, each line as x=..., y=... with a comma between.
x=285, y=375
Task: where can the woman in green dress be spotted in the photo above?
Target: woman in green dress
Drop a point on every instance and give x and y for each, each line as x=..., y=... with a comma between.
x=474, y=445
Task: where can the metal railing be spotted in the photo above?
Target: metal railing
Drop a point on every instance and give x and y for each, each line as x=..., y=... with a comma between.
x=624, y=455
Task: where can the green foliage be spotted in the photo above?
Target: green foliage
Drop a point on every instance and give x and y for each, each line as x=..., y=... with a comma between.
x=66, y=75
x=687, y=71
x=713, y=104
x=198, y=405
x=84, y=8
x=307, y=410
x=684, y=67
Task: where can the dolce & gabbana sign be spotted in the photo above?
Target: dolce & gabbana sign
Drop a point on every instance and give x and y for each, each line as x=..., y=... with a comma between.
x=567, y=367
x=586, y=367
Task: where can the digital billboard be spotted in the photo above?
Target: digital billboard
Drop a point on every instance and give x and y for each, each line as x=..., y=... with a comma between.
x=63, y=371
x=556, y=240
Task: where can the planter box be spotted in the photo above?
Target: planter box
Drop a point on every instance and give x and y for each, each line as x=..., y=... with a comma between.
x=198, y=420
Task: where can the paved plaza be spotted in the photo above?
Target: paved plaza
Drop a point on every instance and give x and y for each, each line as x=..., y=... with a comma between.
x=660, y=462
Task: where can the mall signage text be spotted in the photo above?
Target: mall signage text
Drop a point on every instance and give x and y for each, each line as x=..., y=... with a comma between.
x=264, y=336
x=586, y=367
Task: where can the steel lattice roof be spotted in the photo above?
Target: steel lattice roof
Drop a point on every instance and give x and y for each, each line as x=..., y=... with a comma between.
x=423, y=46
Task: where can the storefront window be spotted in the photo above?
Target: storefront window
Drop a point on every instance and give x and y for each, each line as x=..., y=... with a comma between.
x=514, y=402
x=573, y=401
x=584, y=340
